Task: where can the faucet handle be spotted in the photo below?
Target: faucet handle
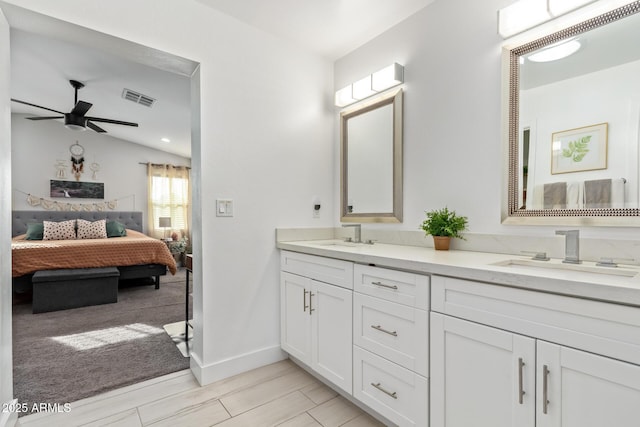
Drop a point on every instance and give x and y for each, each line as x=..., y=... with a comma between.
x=567, y=232
x=538, y=256
x=608, y=262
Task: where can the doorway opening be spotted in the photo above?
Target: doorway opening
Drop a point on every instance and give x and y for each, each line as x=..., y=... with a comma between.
x=46, y=54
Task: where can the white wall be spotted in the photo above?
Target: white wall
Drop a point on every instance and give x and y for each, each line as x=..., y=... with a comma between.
x=452, y=113
x=266, y=143
x=37, y=145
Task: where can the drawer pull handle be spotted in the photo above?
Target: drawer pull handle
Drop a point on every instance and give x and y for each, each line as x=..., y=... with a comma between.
x=304, y=301
x=311, y=309
x=545, y=389
x=520, y=386
x=379, y=387
x=381, y=329
x=384, y=286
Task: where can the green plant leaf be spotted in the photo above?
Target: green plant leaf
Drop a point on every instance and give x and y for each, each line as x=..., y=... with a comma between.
x=577, y=149
x=444, y=222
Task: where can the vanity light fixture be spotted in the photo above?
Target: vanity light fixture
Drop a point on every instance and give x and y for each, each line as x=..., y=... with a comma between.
x=522, y=15
x=344, y=96
x=557, y=51
x=165, y=140
x=560, y=7
x=388, y=77
x=379, y=81
x=362, y=88
x=525, y=14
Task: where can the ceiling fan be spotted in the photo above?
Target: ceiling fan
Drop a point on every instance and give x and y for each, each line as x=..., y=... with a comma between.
x=76, y=119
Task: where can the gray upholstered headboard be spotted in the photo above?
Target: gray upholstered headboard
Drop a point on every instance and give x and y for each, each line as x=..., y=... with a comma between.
x=130, y=219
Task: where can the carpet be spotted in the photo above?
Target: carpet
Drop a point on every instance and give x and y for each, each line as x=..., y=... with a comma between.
x=64, y=356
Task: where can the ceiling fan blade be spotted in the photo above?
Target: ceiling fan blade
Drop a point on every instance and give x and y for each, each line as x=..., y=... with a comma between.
x=81, y=108
x=44, y=118
x=35, y=105
x=115, y=122
x=95, y=127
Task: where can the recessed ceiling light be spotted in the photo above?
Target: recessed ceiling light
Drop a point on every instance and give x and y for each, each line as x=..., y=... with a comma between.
x=165, y=140
x=556, y=52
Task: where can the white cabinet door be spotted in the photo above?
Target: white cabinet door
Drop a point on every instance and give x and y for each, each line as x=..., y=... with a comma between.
x=295, y=319
x=480, y=376
x=585, y=390
x=331, y=325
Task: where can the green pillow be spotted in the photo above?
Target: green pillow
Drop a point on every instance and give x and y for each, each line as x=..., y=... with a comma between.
x=35, y=231
x=116, y=229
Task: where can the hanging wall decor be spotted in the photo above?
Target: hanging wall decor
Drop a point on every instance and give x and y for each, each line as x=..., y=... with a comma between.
x=76, y=189
x=47, y=204
x=95, y=167
x=61, y=168
x=77, y=160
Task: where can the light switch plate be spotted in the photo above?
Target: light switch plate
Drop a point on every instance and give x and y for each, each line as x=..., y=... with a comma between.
x=224, y=207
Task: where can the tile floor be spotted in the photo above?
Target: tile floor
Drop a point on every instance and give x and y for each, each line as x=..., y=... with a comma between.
x=281, y=394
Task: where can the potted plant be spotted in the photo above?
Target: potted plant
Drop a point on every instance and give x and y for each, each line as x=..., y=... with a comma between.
x=443, y=224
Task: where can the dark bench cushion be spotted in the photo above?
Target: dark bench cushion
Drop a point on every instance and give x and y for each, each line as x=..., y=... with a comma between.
x=71, y=288
x=74, y=274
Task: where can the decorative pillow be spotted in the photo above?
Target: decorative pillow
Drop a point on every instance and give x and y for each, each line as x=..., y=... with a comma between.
x=116, y=229
x=92, y=230
x=35, y=231
x=64, y=230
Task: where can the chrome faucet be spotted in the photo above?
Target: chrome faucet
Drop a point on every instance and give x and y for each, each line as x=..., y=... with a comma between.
x=572, y=246
x=357, y=236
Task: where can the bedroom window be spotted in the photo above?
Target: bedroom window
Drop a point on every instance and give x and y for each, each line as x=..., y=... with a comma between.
x=169, y=196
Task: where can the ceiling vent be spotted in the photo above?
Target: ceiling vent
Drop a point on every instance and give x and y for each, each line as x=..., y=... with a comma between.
x=138, y=98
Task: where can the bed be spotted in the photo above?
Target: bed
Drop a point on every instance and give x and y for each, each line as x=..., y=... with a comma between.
x=134, y=255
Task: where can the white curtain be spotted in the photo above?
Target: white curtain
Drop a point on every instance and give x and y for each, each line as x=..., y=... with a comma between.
x=169, y=196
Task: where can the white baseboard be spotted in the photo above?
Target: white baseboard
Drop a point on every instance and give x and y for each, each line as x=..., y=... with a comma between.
x=8, y=419
x=207, y=374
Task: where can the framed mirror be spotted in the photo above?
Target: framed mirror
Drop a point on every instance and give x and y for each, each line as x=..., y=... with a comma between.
x=371, y=160
x=573, y=155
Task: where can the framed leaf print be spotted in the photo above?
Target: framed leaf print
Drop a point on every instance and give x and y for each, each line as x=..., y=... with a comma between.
x=578, y=150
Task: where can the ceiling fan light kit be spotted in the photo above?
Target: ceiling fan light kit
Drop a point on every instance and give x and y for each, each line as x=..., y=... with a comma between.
x=75, y=122
x=77, y=119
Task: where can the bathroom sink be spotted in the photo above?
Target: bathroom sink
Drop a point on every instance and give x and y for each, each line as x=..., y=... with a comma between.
x=583, y=270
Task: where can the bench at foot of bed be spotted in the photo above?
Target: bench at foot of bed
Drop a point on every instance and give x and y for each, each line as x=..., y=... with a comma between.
x=71, y=288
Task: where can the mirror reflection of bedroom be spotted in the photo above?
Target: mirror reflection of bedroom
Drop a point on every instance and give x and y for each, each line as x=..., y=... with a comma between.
x=101, y=137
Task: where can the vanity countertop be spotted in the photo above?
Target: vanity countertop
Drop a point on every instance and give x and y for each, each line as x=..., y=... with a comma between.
x=619, y=285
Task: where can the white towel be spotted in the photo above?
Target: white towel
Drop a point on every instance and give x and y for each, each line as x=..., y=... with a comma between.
x=617, y=193
x=537, y=201
x=574, y=195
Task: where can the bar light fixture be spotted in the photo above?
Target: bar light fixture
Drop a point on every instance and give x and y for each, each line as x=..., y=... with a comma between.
x=525, y=14
x=379, y=81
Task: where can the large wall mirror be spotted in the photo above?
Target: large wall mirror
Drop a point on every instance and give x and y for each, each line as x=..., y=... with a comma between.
x=574, y=124
x=371, y=160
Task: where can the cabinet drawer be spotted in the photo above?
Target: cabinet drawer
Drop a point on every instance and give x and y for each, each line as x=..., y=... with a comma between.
x=397, y=286
x=328, y=270
x=395, y=392
x=394, y=331
x=599, y=327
